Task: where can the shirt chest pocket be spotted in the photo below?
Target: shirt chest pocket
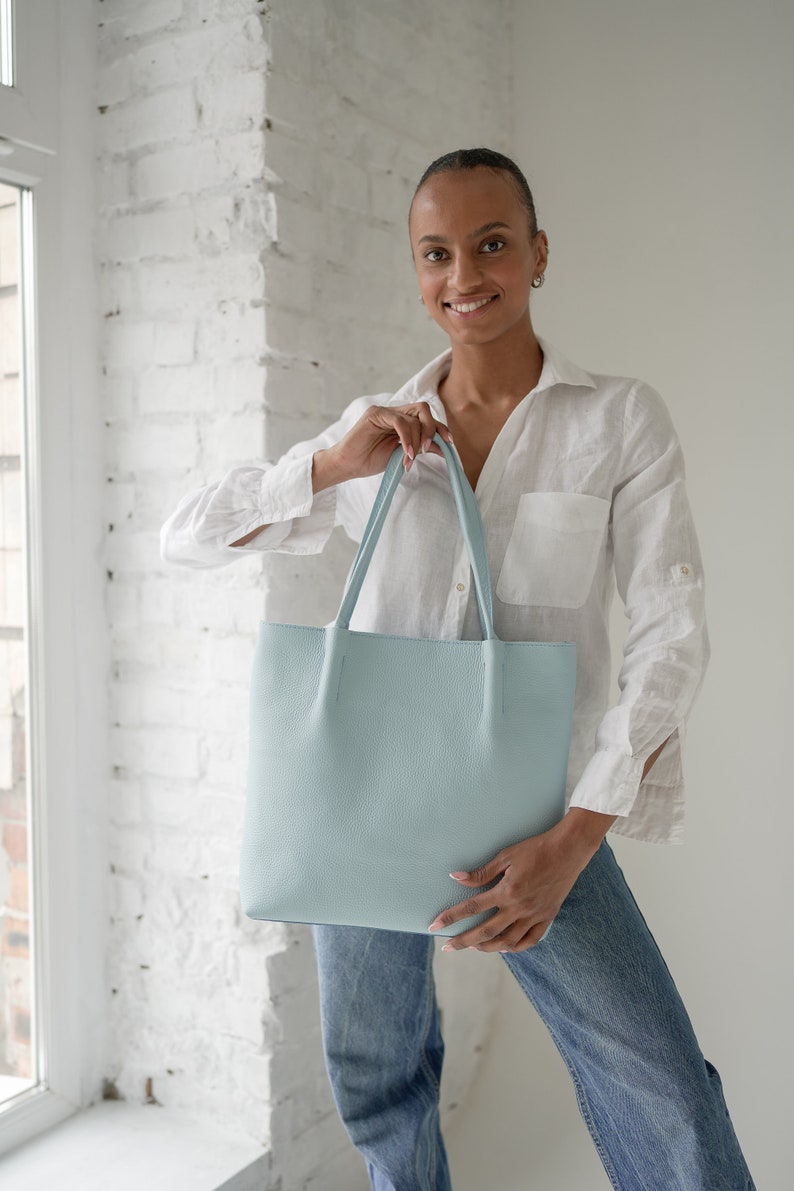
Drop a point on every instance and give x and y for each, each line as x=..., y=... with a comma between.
x=553, y=550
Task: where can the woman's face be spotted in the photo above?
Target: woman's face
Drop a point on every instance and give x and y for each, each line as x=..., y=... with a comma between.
x=471, y=246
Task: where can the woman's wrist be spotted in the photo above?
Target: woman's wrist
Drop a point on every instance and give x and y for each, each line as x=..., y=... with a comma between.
x=584, y=830
x=325, y=470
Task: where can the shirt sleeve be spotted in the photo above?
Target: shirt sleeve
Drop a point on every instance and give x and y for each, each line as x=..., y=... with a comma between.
x=659, y=577
x=261, y=492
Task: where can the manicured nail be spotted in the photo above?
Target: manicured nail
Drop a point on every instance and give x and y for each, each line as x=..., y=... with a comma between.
x=434, y=926
x=447, y=947
x=410, y=453
x=459, y=876
x=425, y=445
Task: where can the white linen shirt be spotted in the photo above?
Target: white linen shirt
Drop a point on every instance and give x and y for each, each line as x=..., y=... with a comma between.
x=584, y=486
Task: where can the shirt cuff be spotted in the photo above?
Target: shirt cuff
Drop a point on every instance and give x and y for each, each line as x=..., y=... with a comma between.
x=299, y=520
x=286, y=490
x=609, y=783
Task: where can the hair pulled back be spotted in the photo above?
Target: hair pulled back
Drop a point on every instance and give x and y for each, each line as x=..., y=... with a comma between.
x=490, y=159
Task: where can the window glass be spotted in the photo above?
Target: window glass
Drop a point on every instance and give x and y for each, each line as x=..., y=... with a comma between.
x=7, y=43
x=17, y=1049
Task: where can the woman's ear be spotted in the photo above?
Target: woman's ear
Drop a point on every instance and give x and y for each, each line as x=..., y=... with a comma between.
x=541, y=244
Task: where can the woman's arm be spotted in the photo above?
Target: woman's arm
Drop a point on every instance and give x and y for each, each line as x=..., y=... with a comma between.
x=291, y=505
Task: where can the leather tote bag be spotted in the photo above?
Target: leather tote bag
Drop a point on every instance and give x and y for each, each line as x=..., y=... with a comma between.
x=379, y=764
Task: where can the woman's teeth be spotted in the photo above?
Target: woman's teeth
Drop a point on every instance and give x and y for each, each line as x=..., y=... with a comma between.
x=465, y=307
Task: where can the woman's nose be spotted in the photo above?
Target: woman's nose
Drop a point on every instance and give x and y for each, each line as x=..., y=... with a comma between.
x=465, y=274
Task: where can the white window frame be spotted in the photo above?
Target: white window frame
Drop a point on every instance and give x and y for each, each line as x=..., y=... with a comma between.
x=46, y=146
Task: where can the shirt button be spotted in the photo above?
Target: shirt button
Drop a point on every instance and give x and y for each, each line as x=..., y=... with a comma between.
x=684, y=570
x=460, y=586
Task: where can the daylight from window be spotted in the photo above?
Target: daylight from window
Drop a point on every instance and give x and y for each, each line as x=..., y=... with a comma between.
x=7, y=43
x=17, y=1058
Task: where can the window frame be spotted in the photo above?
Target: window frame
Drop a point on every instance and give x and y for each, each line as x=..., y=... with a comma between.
x=68, y=850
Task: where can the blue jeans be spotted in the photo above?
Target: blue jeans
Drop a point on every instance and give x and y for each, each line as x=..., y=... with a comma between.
x=652, y=1103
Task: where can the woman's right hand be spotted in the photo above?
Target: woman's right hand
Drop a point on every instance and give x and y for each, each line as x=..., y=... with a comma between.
x=369, y=444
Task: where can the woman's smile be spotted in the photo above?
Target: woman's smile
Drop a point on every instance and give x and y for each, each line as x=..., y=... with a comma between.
x=471, y=307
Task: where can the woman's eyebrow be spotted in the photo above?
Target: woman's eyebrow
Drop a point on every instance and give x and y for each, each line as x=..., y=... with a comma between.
x=480, y=231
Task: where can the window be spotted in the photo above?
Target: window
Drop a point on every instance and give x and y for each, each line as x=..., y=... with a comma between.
x=18, y=1050
x=46, y=1043
x=7, y=43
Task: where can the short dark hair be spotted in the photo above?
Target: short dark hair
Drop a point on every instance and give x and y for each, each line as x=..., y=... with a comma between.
x=490, y=159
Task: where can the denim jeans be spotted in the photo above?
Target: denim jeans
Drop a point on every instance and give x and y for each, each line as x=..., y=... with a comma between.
x=652, y=1103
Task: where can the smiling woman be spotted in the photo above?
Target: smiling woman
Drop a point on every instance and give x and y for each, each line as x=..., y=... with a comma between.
x=563, y=527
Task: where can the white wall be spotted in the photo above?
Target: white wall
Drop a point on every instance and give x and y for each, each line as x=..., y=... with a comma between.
x=657, y=139
x=255, y=167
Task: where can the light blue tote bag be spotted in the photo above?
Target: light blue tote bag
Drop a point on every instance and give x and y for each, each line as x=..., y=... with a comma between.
x=379, y=764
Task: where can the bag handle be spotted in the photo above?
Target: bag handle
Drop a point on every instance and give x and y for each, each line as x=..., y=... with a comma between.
x=470, y=523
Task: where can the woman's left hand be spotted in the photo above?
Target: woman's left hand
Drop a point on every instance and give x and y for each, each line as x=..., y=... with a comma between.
x=535, y=877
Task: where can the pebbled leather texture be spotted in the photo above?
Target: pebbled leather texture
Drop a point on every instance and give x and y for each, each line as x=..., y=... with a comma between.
x=379, y=764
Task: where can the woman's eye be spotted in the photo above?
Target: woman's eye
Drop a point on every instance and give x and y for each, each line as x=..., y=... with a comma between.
x=434, y=254
x=493, y=245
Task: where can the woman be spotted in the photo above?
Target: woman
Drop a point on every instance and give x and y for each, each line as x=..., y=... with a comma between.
x=580, y=482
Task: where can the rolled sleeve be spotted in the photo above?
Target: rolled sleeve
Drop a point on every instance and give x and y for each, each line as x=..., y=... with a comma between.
x=659, y=577
x=278, y=495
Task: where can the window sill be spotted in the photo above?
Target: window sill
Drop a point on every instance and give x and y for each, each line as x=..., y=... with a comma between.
x=128, y=1146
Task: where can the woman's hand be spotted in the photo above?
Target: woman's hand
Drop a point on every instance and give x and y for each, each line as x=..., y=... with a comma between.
x=535, y=877
x=368, y=445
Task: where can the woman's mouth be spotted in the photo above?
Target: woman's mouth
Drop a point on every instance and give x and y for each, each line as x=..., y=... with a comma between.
x=472, y=307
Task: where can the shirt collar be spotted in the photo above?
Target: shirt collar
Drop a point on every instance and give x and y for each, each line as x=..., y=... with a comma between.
x=557, y=370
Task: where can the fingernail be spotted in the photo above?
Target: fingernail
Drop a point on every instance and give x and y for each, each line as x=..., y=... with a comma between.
x=459, y=876
x=434, y=926
x=447, y=947
x=425, y=445
x=410, y=453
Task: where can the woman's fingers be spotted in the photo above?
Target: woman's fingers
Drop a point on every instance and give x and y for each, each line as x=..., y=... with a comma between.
x=367, y=446
x=415, y=427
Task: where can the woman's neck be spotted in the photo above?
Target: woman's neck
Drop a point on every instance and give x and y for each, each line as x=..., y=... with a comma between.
x=492, y=374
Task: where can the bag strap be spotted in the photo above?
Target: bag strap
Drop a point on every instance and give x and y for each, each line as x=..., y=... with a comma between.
x=470, y=523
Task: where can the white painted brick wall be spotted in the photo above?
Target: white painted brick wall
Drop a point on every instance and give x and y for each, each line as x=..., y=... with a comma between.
x=255, y=166
x=184, y=217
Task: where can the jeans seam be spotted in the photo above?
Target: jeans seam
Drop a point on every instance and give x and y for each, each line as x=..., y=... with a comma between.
x=581, y=1095
x=426, y=1062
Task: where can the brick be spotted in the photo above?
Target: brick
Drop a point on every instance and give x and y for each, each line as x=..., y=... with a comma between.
x=174, y=342
x=128, y=342
x=238, y=436
x=152, y=233
x=148, y=445
x=118, y=293
x=232, y=101
x=15, y=842
x=113, y=81
x=236, y=332
x=167, y=116
x=240, y=384
x=200, y=284
x=195, y=54
x=214, y=219
x=13, y=805
x=179, y=388
x=145, y=16
x=186, y=169
x=168, y=752
x=17, y=897
x=14, y=937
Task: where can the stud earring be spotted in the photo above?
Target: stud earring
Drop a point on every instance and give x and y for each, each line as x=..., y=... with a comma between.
x=421, y=299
